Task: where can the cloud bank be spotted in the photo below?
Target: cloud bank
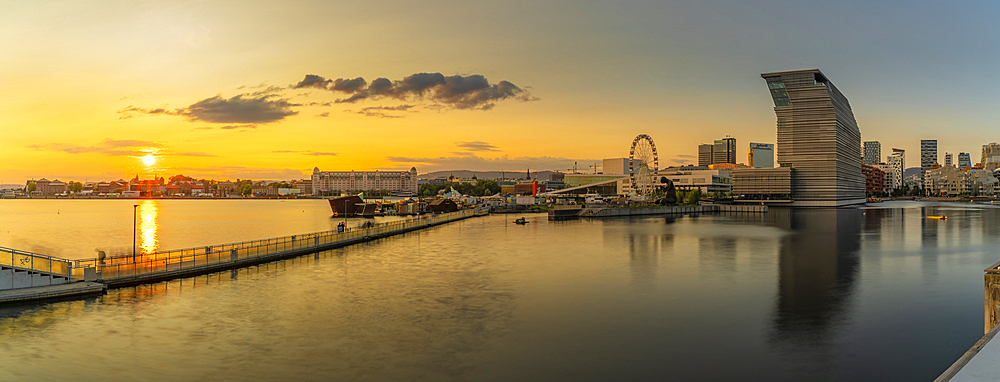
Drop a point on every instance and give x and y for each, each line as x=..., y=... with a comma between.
x=244, y=109
x=473, y=92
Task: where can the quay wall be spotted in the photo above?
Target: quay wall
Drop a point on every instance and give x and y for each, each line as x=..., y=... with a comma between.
x=599, y=212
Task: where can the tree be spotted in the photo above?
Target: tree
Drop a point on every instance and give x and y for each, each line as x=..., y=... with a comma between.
x=694, y=196
x=244, y=187
x=176, y=179
x=32, y=187
x=74, y=186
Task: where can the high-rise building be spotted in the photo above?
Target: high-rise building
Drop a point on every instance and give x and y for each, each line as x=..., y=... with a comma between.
x=761, y=155
x=724, y=151
x=928, y=155
x=991, y=156
x=964, y=161
x=897, y=161
x=947, y=159
x=873, y=152
x=705, y=154
x=818, y=138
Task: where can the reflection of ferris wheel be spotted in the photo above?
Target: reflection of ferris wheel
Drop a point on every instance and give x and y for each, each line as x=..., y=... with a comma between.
x=642, y=165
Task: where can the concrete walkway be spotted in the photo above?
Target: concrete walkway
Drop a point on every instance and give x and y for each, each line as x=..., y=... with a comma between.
x=74, y=289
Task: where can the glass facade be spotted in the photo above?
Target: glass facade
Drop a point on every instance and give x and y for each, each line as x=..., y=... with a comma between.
x=778, y=93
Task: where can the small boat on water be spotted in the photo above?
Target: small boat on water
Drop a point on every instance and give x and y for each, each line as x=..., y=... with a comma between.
x=520, y=221
x=938, y=217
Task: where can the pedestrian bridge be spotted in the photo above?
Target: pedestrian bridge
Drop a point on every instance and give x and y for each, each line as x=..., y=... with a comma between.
x=20, y=269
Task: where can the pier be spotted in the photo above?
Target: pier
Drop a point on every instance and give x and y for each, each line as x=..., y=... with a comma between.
x=23, y=273
x=980, y=363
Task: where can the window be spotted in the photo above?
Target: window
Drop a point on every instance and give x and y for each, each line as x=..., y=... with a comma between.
x=778, y=93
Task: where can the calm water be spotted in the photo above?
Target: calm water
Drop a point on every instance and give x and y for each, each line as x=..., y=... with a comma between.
x=849, y=294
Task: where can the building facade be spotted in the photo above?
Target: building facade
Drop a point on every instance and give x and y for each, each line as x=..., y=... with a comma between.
x=928, y=155
x=872, y=153
x=947, y=159
x=724, y=151
x=761, y=155
x=818, y=137
x=704, y=179
x=896, y=161
x=874, y=180
x=333, y=182
x=964, y=162
x=990, y=159
x=705, y=154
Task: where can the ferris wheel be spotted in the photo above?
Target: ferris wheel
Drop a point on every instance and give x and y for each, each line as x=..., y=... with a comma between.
x=642, y=165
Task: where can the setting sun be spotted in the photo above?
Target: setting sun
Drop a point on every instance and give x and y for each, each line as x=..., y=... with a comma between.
x=149, y=159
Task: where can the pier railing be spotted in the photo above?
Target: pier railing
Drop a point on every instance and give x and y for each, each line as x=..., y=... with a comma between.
x=126, y=266
x=34, y=262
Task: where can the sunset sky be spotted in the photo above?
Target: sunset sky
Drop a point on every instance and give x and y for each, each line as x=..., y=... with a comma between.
x=269, y=90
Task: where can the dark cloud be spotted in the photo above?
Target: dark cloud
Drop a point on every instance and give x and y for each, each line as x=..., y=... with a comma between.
x=324, y=115
x=233, y=127
x=246, y=109
x=476, y=146
x=389, y=108
x=383, y=111
x=685, y=156
x=473, y=92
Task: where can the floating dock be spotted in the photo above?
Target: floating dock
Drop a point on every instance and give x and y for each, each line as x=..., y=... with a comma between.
x=603, y=211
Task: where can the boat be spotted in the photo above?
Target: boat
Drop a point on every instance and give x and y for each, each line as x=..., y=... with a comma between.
x=938, y=217
x=520, y=221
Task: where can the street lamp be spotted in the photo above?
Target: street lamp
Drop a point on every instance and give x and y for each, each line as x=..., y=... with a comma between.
x=134, y=209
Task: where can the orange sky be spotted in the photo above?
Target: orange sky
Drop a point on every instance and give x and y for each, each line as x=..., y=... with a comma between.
x=90, y=87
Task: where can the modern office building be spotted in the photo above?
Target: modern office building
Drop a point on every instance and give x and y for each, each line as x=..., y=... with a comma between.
x=897, y=161
x=761, y=155
x=704, y=179
x=991, y=156
x=705, y=154
x=721, y=151
x=872, y=152
x=335, y=182
x=964, y=162
x=724, y=151
x=947, y=159
x=818, y=138
x=928, y=155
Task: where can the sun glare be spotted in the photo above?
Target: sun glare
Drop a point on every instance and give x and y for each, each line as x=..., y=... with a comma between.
x=149, y=159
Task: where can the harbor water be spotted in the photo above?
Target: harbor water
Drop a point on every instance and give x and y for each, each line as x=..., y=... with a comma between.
x=868, y=294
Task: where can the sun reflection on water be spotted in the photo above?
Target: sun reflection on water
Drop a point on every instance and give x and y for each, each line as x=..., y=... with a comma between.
x=148, y=242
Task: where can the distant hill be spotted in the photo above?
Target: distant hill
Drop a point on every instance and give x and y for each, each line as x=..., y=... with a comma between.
x=911, y=171
x=465, y=174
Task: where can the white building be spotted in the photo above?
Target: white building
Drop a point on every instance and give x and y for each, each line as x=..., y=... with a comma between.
x=702, y=178
x=333, y=182
x=761, y=155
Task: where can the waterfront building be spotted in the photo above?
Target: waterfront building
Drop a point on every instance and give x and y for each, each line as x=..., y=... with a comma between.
x=47, y=187
x=872, y=152
x=946, y=181
x=964, y=162
x=708, y=180
x=818, y=137
x=763, y=183
x=928, y=155
x=335, y=182
x=897, y=161
x=705, y=154
x=874, y=180
x=761, y=155
x=603, y=184
x=983, y=183
x=990, y=159
x=947, y=159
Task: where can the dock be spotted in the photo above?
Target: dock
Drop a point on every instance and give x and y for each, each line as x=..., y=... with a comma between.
x=982, y=361
x=31, y=276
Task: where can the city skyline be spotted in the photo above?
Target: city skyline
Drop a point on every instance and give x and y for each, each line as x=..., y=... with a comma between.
x=219, y=92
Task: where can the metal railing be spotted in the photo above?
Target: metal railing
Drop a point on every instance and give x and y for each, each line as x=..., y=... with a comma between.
x=34, y=262
x=115, y=267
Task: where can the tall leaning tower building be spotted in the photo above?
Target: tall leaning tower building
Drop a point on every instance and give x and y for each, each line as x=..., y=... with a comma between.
x=818, y=139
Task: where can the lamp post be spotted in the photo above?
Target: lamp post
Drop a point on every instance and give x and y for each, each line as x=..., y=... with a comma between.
x=134, y=210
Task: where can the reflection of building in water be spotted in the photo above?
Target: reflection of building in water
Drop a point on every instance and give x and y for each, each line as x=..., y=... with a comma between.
x=644, y=249
x=817, y=268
